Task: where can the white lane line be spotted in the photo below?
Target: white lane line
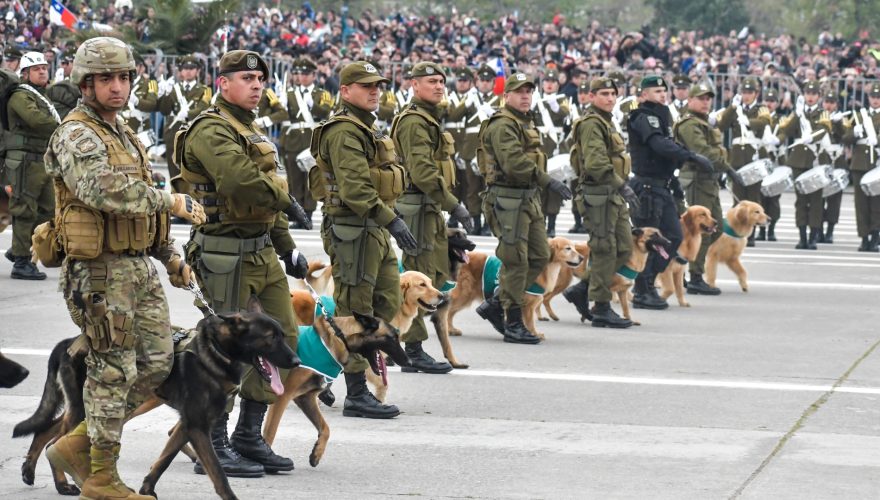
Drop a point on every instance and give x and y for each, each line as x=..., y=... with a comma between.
x=801, y=263
x=607, y=379
x=801, y=284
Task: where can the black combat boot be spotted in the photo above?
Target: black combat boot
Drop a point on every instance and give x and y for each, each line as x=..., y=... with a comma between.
x=326, y=396
x=486, y=231
x=578, y=225
x=422, y=362
x=233, y=464
x=866, y=244
x=360, y=402
x=24, y=269
x=645, y=295
x=9, y=256
x=829, y=234
x=309, y=217
x=491, y=311
x=551, y=226
x=771, y=231
x=751, y=241
x=875, y=242
x=802, y=243
x=762, y=234
x=697, y=286
x=515, y=330
x=248, y=438
x=579, y=295
x=478, y=225
x=814, y=237
x=604, y=316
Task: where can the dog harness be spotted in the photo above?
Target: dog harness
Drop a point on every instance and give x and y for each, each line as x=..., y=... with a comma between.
x=313, y=353
x=729, y=230
x=492, y=278
x=627, y=272
x=447, y=287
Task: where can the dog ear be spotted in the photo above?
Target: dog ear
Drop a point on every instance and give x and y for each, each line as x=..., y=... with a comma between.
x=637, y=231
x=742, y=214
x=369, y=323
x=253, y=305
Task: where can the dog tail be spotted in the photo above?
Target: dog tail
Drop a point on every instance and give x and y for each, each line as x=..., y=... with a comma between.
x=52, y=397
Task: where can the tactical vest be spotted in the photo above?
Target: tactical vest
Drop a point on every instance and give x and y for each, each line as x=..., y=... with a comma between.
x=532, y=145
x=21, y=137
x=220, y=208
x=616, y=151
x=87, y=232
x=444, y=151
x=386, y=174
x=712, y=136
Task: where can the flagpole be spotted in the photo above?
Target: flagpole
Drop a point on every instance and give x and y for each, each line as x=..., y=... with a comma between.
x=225, y=32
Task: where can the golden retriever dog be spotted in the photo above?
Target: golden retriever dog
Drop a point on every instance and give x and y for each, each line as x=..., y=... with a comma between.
x=740, y=221
x=695, y=222
x=645, y=239
x=566, y=274
x=563, y=254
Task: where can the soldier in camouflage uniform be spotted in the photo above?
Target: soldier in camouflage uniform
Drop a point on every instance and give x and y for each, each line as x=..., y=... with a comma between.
x=307, y=105
x=427, y=156
x=101, y=176
x=64, y=94
x=515, y=167
x=30, y=119
x=181, y=102
x=358, y=179
x=229, y=165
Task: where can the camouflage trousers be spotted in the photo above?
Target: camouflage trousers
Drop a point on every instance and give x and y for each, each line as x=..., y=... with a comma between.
x=120, y=378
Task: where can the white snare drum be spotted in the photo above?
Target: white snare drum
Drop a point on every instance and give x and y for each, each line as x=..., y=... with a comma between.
x=839, y=182
x=559, y=167
x=871, y=182
x=813, y=179
x=147, y=138
x=305, y=161
x=755, y=172
x=778, y=182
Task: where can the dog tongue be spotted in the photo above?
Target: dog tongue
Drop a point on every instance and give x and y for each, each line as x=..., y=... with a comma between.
x=663, y=253
x=274, y=378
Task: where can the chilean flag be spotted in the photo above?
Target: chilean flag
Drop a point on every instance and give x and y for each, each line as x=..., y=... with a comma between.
x=61, y=15
x=498, y=65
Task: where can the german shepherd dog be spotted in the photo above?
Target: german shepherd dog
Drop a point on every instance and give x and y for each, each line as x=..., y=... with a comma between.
x=11, y=373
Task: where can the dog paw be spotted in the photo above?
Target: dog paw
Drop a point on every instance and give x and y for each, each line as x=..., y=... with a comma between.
x=27, y=474
x=460, y=366
x=541, y=318
x=67, y=489
x=554, y=317
x=455, y=332
x=314, y=460
x=148, y=490
x=685, y=304
x=540, y=336
x=745, y=289
x=636, y=323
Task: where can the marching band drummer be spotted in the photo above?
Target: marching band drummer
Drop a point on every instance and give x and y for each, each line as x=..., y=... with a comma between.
x=864, y=158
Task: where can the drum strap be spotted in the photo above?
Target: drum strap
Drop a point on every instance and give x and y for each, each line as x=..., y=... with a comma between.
x=729, y=230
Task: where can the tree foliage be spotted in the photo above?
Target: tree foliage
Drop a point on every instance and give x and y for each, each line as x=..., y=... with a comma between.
x=181, y=27
x=710, y=16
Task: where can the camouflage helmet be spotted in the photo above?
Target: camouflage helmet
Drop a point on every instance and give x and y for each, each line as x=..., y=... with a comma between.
x=102, y=54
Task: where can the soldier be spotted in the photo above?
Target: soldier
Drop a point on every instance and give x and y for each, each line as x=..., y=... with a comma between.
x=358, y=179
x=484, y=103
x=577, y=111
x=8, y=78
x=307, y=105
x=64, y=94
x=515, y=167
x=603, y=166
x=771, y=203
x=831, y=153
x=864, y=158
x=181, y=102
x=462, y=122
x=681, y=85
x=230, y=165
x=655, y=156
x=809, y=124
x=427, y=156
x=101, y=176
x=551, y=119
x=143, y=101
x=29, y=118
x=746, y=119
x=700, y=185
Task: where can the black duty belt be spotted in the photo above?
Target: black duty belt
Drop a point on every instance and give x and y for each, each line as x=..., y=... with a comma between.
x=654, y=181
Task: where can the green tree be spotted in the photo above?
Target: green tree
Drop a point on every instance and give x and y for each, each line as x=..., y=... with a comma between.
x=182, y=27
x=710, y=16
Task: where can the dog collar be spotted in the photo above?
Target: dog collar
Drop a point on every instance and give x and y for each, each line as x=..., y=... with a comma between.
x=315, y=355
x=492, y=278
x=627, y=272
x=729, y=230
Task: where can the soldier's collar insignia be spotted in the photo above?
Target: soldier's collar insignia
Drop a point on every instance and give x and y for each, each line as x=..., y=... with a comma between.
x=252, y=62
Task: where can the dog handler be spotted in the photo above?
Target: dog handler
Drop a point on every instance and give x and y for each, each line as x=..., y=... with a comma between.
x=111, y=220
x=358, y=179
x=427, y=156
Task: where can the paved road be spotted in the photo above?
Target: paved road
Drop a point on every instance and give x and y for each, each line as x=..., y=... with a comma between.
x=773, y=393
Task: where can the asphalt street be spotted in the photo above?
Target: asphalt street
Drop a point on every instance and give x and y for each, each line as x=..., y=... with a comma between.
x=770, y=394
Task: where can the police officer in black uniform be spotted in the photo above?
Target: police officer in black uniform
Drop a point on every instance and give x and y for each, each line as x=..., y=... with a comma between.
x=655, y=156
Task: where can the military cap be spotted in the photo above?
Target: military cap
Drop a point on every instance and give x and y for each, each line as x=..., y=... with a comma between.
x=551, y=74
x=68, y=55
x=427, y=69
x=831, y=95
x=190, y=61
x=304, y=65
x=652, y=81
x=464, y=74
x=602, y=83
x=771, y=95
x=360, y=72
x=407, y=70
x=12, y=52
x=618, y=77
x=584, y=87
x=681, y=81
x=874, y=91
x=243, y=60
x=700, y=89
x=812, y=86
x=751, y=84
x=486, y=72
x=516, y=81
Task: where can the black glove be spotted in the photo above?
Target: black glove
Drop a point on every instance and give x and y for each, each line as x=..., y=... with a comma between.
x=630, y=196
x=703, y=162
x=398, y=229
x=297, y=268
x=296, y=213
x=461, y=214
x=735, y=177
x=559, y=188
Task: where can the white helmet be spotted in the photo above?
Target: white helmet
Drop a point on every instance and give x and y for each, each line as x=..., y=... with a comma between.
x=29, y=59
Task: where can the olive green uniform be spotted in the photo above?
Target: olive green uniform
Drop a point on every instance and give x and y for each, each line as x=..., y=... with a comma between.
x=7, y=80
x=461, y=120
x=296, y=136
x=808, y=207
x=515, y=168
x=137, y=117
x=700, y=187
x=64, y=95
x=867, y=207
x=32, y=119
x=603, y=166
x=358, y=180
x=198, y=97
x=427, y=156
x=745, y=144
x=230, y=166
